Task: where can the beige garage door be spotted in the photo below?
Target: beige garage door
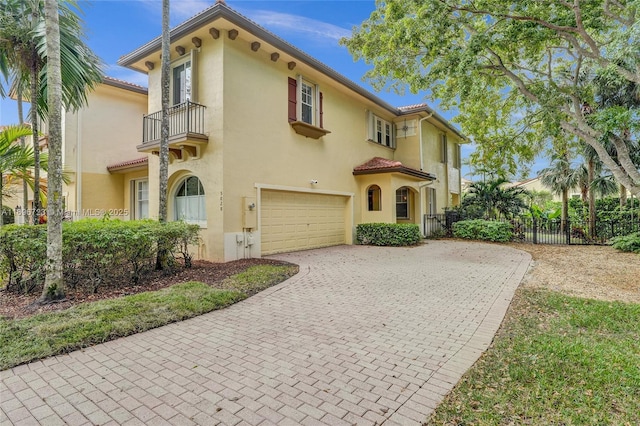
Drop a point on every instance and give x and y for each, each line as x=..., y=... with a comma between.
x=298, y=221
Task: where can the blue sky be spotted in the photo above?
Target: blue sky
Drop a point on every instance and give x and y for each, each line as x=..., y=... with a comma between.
x=117, y=27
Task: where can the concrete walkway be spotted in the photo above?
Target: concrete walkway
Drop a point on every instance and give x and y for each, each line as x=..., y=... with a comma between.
x=362, y=335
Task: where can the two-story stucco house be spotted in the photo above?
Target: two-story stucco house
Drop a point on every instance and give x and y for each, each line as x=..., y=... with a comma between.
x=273, y=151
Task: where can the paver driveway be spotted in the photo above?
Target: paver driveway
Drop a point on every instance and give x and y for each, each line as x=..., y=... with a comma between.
x=363, y=335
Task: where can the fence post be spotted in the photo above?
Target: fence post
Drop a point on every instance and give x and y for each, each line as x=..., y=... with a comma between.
x=535, y=231
x=568, y=231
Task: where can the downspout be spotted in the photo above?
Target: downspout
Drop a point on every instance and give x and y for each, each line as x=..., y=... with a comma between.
x=78, y=212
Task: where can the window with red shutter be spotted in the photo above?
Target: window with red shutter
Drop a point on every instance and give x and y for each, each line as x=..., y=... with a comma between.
x=293, y=88
x=305, y=108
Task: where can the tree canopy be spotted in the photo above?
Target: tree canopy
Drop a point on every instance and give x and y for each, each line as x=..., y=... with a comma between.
x=521, y=73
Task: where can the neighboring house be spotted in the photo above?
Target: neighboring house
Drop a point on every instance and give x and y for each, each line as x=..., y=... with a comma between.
x=104, y=132
x=273, y=151
x=535, y=185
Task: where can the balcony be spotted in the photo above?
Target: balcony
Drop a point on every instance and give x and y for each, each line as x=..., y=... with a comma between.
x=186, y=130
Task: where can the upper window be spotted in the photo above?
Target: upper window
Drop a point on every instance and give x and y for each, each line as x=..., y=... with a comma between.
x=373, y=198
x=381, y=131
x=402, y=203
x=181, y=82
x=307, y=102
x=443, y=148
x=190, y=202
x=305, y=108
x=457, y=161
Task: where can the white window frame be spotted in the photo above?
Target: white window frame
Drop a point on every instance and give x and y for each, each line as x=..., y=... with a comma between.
x=407, y=202
x=315, y=101
x=135, y=206
x=137, y=200
x=201, y=202
x=189, y=75
x=381, y=131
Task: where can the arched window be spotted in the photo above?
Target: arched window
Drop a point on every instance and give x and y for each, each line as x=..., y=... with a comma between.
x=373, y=198
x=189, y=202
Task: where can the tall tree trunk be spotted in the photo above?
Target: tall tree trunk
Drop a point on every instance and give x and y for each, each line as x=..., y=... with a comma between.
x=623, y=196
x=25, y=187
x=592, y=198
x=35, y=89
x=565, y=209
x=162, y=261
x=54, y=282
x=164, y=129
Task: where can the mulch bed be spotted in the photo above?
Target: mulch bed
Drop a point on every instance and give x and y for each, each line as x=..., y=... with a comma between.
x=17, y=305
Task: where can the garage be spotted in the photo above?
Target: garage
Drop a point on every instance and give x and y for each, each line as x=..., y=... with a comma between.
x=293, y=221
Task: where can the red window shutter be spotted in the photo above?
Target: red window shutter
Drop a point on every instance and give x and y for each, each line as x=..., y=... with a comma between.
x=321, y=111
x=293, y=89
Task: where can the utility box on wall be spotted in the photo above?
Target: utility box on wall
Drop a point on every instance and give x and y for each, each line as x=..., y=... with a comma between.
x=249, y=213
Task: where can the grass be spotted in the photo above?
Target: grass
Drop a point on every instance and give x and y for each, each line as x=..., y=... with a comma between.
x=556, y=360
x=54, y=333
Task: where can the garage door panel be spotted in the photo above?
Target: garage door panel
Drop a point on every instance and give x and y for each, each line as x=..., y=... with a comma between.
x=296, y=221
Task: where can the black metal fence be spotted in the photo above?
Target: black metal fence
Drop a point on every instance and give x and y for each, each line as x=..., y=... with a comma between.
x=184, y=118
x=545, y=231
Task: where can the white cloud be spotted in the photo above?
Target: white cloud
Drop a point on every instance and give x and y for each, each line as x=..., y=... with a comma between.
x=297, y=24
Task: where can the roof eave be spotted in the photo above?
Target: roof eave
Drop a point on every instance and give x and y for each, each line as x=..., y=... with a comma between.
x=222, y=11
x=403, y=170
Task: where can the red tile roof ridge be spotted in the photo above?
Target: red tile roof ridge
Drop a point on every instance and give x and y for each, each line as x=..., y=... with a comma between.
x=135, y=162
x=378, y=163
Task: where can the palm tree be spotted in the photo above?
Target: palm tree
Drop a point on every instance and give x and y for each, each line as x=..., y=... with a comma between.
x=611, y=91
x=560, y=178
x=54, y=283
x=15, y=159
x=494, y=199
x=23, y=50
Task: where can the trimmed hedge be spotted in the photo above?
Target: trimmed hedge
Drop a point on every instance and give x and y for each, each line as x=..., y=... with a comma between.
x=485, y=230
x=629, y=243
x=93, y=251
x=388, y=234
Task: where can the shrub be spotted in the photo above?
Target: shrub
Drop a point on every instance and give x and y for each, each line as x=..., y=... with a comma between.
x=485, y=230
x=8, y=215
x=630, y=243
x=93, y=251
x=388, y=234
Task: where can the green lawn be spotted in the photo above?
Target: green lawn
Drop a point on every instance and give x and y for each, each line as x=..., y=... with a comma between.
x=558, y=360
x=44, y=335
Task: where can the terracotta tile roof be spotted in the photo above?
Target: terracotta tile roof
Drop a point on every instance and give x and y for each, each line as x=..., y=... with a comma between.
x=377, y=163
x=383, y=165
x=116, y=82
x=129, y=164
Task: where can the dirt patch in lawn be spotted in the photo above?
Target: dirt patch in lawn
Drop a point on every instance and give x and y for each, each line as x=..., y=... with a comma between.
x=15, y=305
x=595, y=272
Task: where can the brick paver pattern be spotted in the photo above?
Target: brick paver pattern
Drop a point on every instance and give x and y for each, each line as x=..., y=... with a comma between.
x=361, y=336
